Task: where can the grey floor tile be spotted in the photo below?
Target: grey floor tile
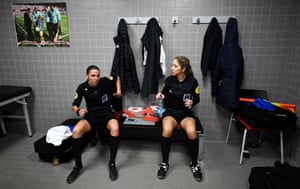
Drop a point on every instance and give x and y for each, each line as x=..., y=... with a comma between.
x=137, y=162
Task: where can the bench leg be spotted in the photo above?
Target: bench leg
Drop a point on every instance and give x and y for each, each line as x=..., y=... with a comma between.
x=26, y=117
x=243, y=146
x=229, y=127
x=281, y=148
x=201, y=146
x=2, y=124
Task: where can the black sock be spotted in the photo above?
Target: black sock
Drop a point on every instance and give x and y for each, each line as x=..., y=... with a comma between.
x=193, y=146
x=165, y=148
x=77, y=150
x=114, y=144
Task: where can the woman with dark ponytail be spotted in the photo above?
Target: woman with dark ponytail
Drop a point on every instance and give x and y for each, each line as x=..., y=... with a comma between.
x=97, y=92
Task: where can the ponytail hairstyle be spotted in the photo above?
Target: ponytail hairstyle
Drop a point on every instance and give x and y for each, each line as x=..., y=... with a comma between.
x=92, y=67
x=184, y=63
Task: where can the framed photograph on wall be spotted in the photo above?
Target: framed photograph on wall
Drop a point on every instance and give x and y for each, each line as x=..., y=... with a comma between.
x=41, y=24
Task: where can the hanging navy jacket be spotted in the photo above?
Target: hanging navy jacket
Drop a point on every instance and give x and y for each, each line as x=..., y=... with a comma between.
x=124, y=62
x=228, y=75
x=211, y=44
x=151, y=43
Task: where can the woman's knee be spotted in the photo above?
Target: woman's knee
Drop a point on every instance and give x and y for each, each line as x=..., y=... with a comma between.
x=192, y=135
x=167, y=134
x=167, y=130
x=168, y=126
x=113, y=127
x=189, y=127
x=80, y=129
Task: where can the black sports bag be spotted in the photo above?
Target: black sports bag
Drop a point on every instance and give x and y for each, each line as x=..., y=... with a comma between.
x=283, y=177
x=55, y=154
x=259, y=118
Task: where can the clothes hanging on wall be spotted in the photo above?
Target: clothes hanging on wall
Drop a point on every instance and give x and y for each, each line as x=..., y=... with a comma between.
x=153, y=58
x=228, y=75
x=124, y=62
x=211, y=45
x=162, y=59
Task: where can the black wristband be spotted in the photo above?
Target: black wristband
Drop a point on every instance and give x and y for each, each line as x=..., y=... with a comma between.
x=77, y=111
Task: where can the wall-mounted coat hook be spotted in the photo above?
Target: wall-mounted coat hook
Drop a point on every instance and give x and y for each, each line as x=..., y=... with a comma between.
x=174, y=20
x=207, y=19
x=136, y=20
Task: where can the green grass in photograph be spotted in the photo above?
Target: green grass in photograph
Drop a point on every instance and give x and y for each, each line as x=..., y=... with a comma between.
x=22, y=34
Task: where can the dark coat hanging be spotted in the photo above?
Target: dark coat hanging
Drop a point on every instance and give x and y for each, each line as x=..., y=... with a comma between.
x=124, y=62
x=151, y=43
x=212, y=43
x=228, y=75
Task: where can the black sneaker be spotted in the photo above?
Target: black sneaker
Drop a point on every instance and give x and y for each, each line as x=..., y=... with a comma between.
x=196, y=172
x=113, y=173
x=73, y=175
x=162, y=171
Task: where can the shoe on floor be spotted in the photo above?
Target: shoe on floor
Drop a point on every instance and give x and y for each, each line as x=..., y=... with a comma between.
x=73, y=175
x=113, y=173
x=196, y=170
x=162, y=170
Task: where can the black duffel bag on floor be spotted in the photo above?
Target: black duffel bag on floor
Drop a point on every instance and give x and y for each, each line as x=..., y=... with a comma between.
x=56, y=154
x=282, y=177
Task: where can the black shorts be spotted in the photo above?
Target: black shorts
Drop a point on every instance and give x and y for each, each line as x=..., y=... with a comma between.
x=99, y=121
x=178, y=115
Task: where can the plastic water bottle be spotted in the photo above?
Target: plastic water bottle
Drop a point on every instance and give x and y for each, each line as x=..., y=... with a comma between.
x=160, y=107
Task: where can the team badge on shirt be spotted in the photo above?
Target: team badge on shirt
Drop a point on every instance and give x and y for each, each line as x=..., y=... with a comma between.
x=75, y=95
x=197, y=90
x=187, y=97
x=104, y=98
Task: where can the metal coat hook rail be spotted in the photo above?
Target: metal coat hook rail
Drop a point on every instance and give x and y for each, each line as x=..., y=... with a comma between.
x=137, y=20
x=207, y=19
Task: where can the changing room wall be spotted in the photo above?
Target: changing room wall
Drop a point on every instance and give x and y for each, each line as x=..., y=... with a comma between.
x=268, y=35
x=292, y=147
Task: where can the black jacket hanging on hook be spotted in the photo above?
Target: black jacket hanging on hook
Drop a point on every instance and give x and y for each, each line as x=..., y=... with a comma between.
x=124, y=62
x=211, y=45
x=151, y=43
x=228, y=75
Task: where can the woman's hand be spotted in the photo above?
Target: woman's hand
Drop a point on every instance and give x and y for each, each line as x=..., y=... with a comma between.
x=160, y=96
x=82, y=112
x=188, y=103
x=117, y=94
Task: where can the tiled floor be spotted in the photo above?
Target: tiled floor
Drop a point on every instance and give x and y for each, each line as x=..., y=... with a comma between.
x=137, y=163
